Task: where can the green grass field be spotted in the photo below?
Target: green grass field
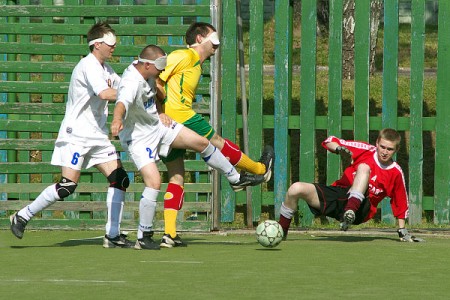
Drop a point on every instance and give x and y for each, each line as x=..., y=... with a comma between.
x=313, y=265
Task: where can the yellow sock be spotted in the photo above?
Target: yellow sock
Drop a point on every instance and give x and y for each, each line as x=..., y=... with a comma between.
x=170, y=222
x=247, y=164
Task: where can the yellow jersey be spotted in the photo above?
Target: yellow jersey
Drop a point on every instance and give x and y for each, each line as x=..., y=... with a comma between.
x=181, y=77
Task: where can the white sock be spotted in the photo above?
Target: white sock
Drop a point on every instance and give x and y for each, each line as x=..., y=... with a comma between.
x=114, y=203
x=216, y=160
x=46, y=198
x=286, y=211
x=147, y=211
x=357, y=195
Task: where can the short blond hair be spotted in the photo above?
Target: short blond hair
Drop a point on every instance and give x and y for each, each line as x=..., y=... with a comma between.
x=391, y=135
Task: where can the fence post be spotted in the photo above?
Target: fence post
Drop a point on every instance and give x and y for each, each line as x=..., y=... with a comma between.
x=335, y=85
x=442, y=169
x=255, y=95
x=3, y=98
x=416, y=108
x=307, y=101
x=216, y=112
x=228, y=50
x=390, y=83
x=362, y=54
x=282, y=97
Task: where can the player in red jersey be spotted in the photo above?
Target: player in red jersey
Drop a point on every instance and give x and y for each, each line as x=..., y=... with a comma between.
x=353, y=199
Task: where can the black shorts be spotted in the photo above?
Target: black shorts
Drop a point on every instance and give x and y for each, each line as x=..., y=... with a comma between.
x=332, y=203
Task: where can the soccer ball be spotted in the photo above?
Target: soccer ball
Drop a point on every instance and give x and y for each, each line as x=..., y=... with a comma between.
x=269, y=233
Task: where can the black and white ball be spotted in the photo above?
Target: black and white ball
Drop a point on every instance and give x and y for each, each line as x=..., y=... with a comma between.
x=269, y=233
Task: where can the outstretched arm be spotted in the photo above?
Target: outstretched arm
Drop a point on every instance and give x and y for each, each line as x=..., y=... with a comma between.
x=117, y=122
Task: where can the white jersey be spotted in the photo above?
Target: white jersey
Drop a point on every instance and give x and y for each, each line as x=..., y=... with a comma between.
x=143, y=135
x=139, y=98
x=85, y=118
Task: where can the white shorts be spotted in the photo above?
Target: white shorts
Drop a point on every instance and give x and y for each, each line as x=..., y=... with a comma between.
x=148, y=149
x=80, y=157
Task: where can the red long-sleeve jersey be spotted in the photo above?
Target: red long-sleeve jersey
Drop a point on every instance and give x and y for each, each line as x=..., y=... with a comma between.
x=385, y=181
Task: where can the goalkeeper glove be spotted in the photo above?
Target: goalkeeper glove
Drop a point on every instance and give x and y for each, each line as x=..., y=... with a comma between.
x=343, y=150
x=405, y=236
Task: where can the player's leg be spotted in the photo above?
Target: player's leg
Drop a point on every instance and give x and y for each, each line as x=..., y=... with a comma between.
x=231, y=151
x=147, y=207
x=188, y=139
x=298, y=190
x=356, y=192
x=173, y=201
x=215, y=159
x=64, y=155
x=111, y=167
x=239, y=159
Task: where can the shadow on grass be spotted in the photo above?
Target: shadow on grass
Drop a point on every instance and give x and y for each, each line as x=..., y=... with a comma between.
x=68, y=243
x=350, y=239
x=80, y=242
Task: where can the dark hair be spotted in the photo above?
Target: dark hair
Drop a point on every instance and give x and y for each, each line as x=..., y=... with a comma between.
x=197, y=28
x=151, y=52
x=97, y=31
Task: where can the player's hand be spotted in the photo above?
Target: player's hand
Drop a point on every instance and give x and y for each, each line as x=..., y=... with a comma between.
x=116, y=127
x=405, y=236
x=343, y=151
x=165, y=119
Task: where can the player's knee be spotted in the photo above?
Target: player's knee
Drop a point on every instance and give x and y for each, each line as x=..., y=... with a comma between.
x=119, y=179
x=363, y=168
x=65, y=187
x=203, y=143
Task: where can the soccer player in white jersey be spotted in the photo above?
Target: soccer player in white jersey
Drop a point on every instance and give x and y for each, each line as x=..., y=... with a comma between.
x=353, y=199
x=146, y=132
x=83, y=138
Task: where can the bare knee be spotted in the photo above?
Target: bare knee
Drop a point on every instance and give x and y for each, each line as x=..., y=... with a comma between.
x=304, y=191
x=292, y=195
x=217, y=141
x=363, y=168
x=203, y=143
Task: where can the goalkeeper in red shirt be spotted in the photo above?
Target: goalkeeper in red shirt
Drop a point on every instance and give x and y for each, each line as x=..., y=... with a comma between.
x=353, y=199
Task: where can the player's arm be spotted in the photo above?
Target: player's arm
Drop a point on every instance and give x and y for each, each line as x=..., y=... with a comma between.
x=109, y=94
x=160, y=91
x=399, y=204
x=117, y=122
x=337, y=148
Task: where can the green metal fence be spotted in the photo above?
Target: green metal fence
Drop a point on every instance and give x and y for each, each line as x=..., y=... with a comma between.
x=42, y=45
x=421, y=131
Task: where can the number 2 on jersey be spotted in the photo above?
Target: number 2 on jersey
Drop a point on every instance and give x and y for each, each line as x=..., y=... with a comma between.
x=150, y=153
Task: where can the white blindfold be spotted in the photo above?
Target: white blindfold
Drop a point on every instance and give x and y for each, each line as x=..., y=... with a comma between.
x=108, y=38
x=213, y=37
x=160, y=62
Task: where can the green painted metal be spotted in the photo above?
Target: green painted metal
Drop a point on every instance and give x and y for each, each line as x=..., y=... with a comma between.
x=43, y=118
x=46, y=98
x=282, y=96
x=255, y=96
x=362, y=53
x=308, y=101
x=334, y=125
x=178, y=21
x=390, y=83
x=41, y=57
x=102, y=9
x=442, y=166
x=416, y=129
x=229, y=95
x=24, y=155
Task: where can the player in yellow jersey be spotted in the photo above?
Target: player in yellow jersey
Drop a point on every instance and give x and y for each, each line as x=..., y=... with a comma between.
x=178, y=84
